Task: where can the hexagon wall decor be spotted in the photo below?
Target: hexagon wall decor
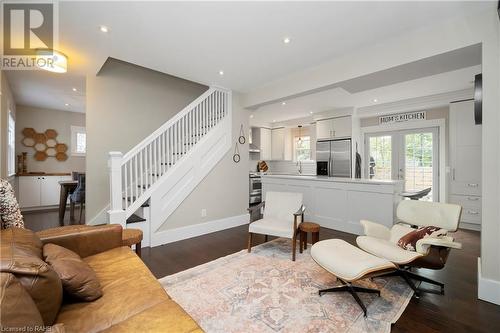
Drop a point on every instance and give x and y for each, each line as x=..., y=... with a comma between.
x=45, y=144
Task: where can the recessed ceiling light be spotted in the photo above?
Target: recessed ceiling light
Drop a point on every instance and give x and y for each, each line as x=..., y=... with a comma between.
x=66, y=104
x=221, y=73
x=251, y=116
x=283, y=103
x=286, y=40
x=74, y=89
x=375, y=100
x=103, y=28
x=274, y=120
x=311, y=112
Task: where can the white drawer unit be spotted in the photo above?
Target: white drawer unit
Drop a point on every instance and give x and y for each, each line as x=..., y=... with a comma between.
x=39, y=191
x=465, y=163
x=471, y=207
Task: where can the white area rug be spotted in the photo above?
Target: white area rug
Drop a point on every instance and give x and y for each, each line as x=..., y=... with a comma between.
x=265, y=291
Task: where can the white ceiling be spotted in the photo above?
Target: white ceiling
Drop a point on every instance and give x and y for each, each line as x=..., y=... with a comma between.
x=337, y=98
x=194, y=40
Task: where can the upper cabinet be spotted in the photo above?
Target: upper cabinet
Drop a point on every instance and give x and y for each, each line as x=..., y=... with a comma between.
x=275, y=144
x=265, y=143
x=334, y=128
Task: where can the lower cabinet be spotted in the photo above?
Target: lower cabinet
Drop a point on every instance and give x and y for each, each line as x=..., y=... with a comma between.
x=39, y=191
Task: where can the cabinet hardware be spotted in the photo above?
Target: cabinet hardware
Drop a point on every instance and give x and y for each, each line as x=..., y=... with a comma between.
x=472, y=199
x=453, y=173
x=472, y=185
x=472, y=212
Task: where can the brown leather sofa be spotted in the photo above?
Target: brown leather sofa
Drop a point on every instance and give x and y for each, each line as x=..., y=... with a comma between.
x=133, y=300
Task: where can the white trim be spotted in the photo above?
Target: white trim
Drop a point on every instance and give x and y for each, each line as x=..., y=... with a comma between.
x=443, y=163
x=487, y=290
x=177, y=234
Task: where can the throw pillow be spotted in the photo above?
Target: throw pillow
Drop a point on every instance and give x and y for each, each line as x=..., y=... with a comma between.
x=78, y=278
x=409, y=241
x=10, y=214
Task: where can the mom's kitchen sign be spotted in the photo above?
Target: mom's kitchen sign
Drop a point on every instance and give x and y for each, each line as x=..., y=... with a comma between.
x=402, y=117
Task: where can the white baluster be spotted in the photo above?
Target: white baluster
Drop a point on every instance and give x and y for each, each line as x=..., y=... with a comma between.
x=136, y=178
x=141, y=172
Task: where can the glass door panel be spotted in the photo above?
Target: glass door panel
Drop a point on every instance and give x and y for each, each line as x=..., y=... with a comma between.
x=380, y=157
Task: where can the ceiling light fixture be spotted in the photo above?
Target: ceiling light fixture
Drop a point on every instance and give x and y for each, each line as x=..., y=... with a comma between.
x=286, y=40
x=51, y=60
x=311, y=112
x=274, y=120
x=104, y=28
x=251, y=116
x=74, y=89
x=300, y=136
x=375, y=100
x=283, y=103
x=221, y=73
x=66, y=104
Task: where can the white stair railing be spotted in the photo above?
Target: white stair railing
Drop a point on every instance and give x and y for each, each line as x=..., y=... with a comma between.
x=133, y=176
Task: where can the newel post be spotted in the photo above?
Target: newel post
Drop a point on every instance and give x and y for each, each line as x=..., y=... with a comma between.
x=116, y=213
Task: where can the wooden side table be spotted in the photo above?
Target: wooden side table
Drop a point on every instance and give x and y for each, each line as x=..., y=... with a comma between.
x=304, y=228
x=132, y=237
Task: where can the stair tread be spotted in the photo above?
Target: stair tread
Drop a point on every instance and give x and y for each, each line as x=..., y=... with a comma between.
x=135, y=219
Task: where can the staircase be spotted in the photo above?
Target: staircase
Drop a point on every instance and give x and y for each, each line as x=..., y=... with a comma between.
x=149, y=182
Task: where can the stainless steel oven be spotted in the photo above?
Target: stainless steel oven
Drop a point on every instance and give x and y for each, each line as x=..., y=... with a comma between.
x=255, y=188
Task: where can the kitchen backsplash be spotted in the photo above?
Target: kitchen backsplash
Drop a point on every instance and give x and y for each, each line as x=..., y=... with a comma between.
x=287, y=167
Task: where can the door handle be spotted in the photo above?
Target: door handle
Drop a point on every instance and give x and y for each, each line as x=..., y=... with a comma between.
x=453, y=173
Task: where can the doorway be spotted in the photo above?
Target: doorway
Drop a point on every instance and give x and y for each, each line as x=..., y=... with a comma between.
x=410, y=155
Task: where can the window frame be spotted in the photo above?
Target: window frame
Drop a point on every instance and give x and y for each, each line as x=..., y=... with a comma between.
x=11, y=144
x=75, y=130
x=295, y=149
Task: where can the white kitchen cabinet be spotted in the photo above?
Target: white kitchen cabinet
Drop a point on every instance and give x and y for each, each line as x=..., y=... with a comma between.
x=465, y=162
x=334, y=128
x=265, y=144
x=39, y=191
x=278, y=143
x=29, y=191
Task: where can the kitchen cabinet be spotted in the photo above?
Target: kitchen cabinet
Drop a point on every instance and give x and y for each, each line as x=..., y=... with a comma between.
x=265, y=144
x=334, y=128
x=39, y=191
x=278, y=144
x=465, y=162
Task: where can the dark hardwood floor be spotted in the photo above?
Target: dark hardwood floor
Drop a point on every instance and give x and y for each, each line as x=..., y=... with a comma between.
x=41, y=220
x=458, y=310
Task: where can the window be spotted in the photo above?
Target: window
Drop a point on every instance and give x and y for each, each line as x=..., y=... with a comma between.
x=78, y=141
x=11, y=146
x=302, y=148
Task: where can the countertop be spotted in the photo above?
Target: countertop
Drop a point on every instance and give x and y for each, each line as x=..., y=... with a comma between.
x=335, y=179
x=34, y=174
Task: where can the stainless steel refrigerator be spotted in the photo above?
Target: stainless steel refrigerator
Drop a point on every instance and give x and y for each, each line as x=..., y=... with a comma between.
x=333, y=158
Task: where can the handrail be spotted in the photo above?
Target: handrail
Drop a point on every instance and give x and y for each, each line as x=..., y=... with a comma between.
x=133, y=175
x=169, y=123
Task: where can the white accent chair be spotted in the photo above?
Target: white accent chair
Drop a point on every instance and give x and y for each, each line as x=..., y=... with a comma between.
x=283, y=212
x=430, y=253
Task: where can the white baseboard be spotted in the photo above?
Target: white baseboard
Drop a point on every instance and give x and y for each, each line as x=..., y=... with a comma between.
x=470, y=226
x=487, y=290
x=177, y=234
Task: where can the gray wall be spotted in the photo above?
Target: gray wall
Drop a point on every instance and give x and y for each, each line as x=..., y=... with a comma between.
x=126, y=103
x=42, y=119
x=224, y=192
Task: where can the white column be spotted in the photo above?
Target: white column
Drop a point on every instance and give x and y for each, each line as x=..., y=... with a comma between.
x=116, y=213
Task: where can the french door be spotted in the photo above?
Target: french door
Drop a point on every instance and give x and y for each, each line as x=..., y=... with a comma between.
x=408, y=155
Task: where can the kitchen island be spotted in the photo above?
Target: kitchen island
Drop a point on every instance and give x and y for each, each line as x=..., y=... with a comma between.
x=340, y=203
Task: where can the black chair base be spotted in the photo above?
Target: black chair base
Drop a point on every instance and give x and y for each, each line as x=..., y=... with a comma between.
x=409, y=276
x=353, y=290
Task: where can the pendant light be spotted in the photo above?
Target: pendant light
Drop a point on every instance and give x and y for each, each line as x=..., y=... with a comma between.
x=300, y=136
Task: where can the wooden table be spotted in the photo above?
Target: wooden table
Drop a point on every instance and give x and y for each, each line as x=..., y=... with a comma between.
x=304, y=228
x=67, y=186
